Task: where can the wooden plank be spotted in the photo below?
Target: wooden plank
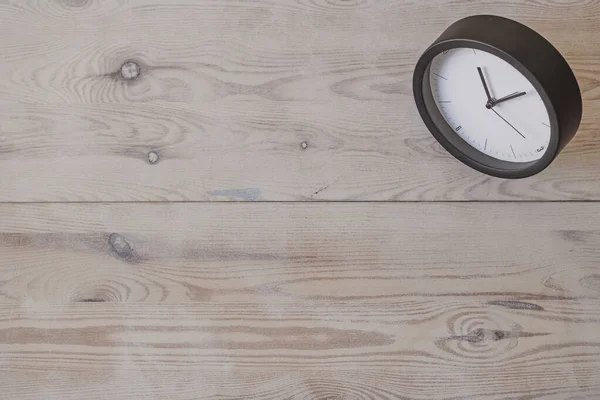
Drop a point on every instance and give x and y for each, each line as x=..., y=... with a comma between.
x=229, y=91
x=300, y=301
x=301, y=350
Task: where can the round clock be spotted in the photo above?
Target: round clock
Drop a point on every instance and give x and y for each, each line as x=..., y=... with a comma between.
x=498, y=96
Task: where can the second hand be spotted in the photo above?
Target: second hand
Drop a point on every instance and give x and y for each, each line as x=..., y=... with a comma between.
x=516, y=130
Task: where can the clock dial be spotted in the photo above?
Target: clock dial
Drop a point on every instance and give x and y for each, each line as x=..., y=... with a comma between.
x=490, y=105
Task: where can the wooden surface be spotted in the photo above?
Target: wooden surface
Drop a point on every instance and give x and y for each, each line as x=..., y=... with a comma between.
x=141, y=256
x=229, y=91
x=289, y=301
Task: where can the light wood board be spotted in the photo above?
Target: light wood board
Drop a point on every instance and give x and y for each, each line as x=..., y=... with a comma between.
x=300, y=301
x=190, y=298
x=230, y=90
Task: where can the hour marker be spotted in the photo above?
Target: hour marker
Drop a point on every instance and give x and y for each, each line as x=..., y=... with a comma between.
x=513, y=151
x=474, y=52
x=445, y=101
x=545, y=124
x=485, y=147
x=439, y=76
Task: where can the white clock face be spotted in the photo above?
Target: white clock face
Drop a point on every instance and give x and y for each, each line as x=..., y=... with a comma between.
x=513, y=126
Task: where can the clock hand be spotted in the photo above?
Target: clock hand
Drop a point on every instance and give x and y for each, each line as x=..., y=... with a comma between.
x=506, y=98
x=496, y=112
x=485, y=86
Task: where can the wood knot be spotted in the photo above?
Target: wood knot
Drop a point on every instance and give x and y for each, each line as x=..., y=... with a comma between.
x=153, y=157
x=476, y=334
x=120, y=246
x=98, y=291
x=130, y=70
x=516, y=305
x=92, y=300
x=480, y=334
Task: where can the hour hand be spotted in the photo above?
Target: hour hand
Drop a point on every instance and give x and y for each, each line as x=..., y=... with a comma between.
x=485, y=86
x=509, y=97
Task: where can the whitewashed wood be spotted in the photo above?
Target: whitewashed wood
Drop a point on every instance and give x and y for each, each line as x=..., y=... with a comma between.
x=299, y=350
x=300, y=301
x=230, y=90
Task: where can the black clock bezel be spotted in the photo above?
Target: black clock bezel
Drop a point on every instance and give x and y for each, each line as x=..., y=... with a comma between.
x=459, y=148
x=565, y=116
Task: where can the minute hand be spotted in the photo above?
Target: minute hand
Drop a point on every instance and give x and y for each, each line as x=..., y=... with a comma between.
x=509, y=97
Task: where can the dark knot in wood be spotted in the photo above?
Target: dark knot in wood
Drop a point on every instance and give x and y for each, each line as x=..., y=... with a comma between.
x=516, y=305
x=153, y=157
x=120, y=246
x=130, y=70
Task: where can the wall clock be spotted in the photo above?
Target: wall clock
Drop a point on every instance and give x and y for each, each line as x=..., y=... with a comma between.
x=498, y=96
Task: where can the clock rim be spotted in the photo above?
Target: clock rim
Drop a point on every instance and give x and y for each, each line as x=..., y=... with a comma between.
x=473, y=157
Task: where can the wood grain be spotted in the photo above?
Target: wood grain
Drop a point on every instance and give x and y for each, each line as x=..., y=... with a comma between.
x=229, y=91
x=300, y=301
x=279, y=100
